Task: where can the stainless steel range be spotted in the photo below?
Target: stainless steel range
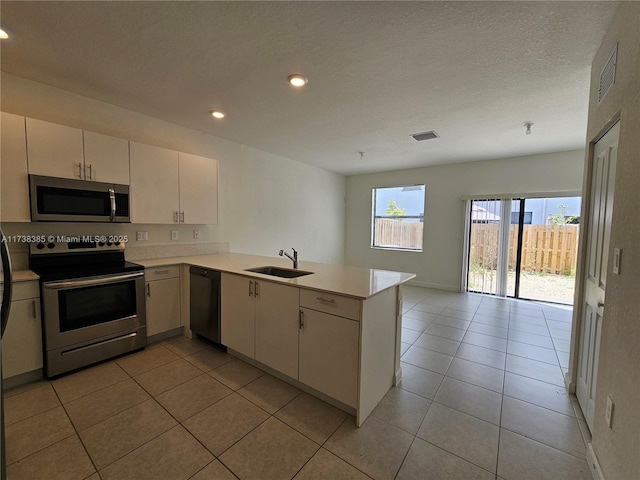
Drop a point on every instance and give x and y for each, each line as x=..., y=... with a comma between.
x=93, y=304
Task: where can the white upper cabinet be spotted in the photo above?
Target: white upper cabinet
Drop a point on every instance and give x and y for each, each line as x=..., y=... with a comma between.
x=106, y=159
x=198, y=190
x=155, y=197
x=65, y=152
x=14, y=194
x=54, y=150
x=171, y=187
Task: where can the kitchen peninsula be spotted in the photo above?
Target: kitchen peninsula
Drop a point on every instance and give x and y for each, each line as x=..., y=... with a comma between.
x=334, y=332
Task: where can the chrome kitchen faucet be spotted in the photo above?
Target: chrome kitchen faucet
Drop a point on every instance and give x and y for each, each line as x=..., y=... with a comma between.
x=294, y=259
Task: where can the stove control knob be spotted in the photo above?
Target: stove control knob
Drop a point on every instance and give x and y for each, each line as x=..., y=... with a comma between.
x=109, y=244
x=51, y=245
x=40, y=246
x=101, y=244
x=117, y=244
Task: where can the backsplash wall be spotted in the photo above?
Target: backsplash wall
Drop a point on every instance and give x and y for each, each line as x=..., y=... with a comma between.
x=158, y=245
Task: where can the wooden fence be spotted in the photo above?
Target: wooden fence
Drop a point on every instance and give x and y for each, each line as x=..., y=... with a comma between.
x=389, y=232
x=545, y=248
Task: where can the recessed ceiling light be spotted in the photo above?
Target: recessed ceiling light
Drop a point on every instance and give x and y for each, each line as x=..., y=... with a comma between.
x=3, y=35
x=217, y=114
x=297, y=80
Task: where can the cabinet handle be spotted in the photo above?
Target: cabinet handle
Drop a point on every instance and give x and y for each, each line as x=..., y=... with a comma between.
x=250, y=288
x=35, y=311
x=181, y=217
x=160, y=272
x=79, y=170
x=175, y=216
x=148, y=289
x=327, y=300
x=301, y=320
x=257, y=289
x=90, y=172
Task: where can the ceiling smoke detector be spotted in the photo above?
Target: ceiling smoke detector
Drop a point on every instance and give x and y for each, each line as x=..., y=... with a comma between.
x=419, y=137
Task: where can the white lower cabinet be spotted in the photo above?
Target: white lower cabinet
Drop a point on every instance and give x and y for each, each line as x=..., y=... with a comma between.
x=163, y=299
x=260, y=320
x=238, y=314
x=342, y=347
x=22, y=341
x=328, y=355
x=276, y=327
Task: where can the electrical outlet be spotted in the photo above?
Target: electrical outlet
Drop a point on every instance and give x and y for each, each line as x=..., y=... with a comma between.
x=142, y=236
x=196, y=234
x=174, y=234
x=609, y=412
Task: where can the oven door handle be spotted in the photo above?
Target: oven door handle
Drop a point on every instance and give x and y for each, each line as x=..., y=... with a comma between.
x=101, y=280
x=112, y=198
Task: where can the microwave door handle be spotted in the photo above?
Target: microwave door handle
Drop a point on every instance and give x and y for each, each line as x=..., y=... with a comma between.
x=112, y=198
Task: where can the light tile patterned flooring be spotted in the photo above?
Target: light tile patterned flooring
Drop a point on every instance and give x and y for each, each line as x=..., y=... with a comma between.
x=482, y=398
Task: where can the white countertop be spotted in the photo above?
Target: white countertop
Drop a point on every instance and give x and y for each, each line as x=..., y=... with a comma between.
x=351, y=281
x=22, y=276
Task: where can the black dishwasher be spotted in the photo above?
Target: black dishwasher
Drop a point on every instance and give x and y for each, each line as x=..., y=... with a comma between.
x=205, y=303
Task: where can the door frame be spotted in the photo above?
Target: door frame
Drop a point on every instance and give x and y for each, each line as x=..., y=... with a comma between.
x=578, y=297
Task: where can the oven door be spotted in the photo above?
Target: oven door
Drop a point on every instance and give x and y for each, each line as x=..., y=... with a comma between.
x=76, y=311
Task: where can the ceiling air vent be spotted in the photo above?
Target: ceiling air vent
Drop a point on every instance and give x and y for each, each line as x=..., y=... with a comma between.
x=419, y=137
x=608, y=74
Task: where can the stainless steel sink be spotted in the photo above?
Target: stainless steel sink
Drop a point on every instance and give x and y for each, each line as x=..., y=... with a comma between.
x=279, y=272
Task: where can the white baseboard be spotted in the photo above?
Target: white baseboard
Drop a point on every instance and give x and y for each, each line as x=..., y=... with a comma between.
x=594, y=465
x=397, y=379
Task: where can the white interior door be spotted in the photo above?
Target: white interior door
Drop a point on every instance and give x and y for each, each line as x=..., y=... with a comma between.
x=600, y=210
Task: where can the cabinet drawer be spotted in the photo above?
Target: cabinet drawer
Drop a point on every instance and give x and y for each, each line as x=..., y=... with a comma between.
x=329, y=303
x=161, y=273
x=24, y=290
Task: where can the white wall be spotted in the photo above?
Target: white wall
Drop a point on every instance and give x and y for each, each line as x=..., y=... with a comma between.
x=618, y=448
x=439, y=264
x=266, y=202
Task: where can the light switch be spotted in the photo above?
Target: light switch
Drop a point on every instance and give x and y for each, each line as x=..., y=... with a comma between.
x=616, y=260
x=609, y=411
x=196, y=234
x=174, y=234
x=141, y=236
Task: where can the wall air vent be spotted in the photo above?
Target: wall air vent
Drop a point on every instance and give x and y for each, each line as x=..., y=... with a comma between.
x=608, y=74
x=419, y=137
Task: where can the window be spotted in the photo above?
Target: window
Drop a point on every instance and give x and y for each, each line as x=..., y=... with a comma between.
x=398, y=218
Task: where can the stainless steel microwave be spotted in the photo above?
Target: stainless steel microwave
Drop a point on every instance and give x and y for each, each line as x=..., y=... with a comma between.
x=65, y=200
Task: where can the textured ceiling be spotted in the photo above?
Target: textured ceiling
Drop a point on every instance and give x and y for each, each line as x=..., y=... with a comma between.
x=378, y=72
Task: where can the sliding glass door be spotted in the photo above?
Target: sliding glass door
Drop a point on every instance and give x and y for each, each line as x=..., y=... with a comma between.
x=523, y=247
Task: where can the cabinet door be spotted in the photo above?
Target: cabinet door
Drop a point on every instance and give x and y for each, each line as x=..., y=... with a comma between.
x=163, y=305
x=154, y=184
x=22, y=341
x=54, y=150
x=198, y=189
x=238, y=310
x=15, y=182
x=329, y=355
x=276, y=328
x=106, y=159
